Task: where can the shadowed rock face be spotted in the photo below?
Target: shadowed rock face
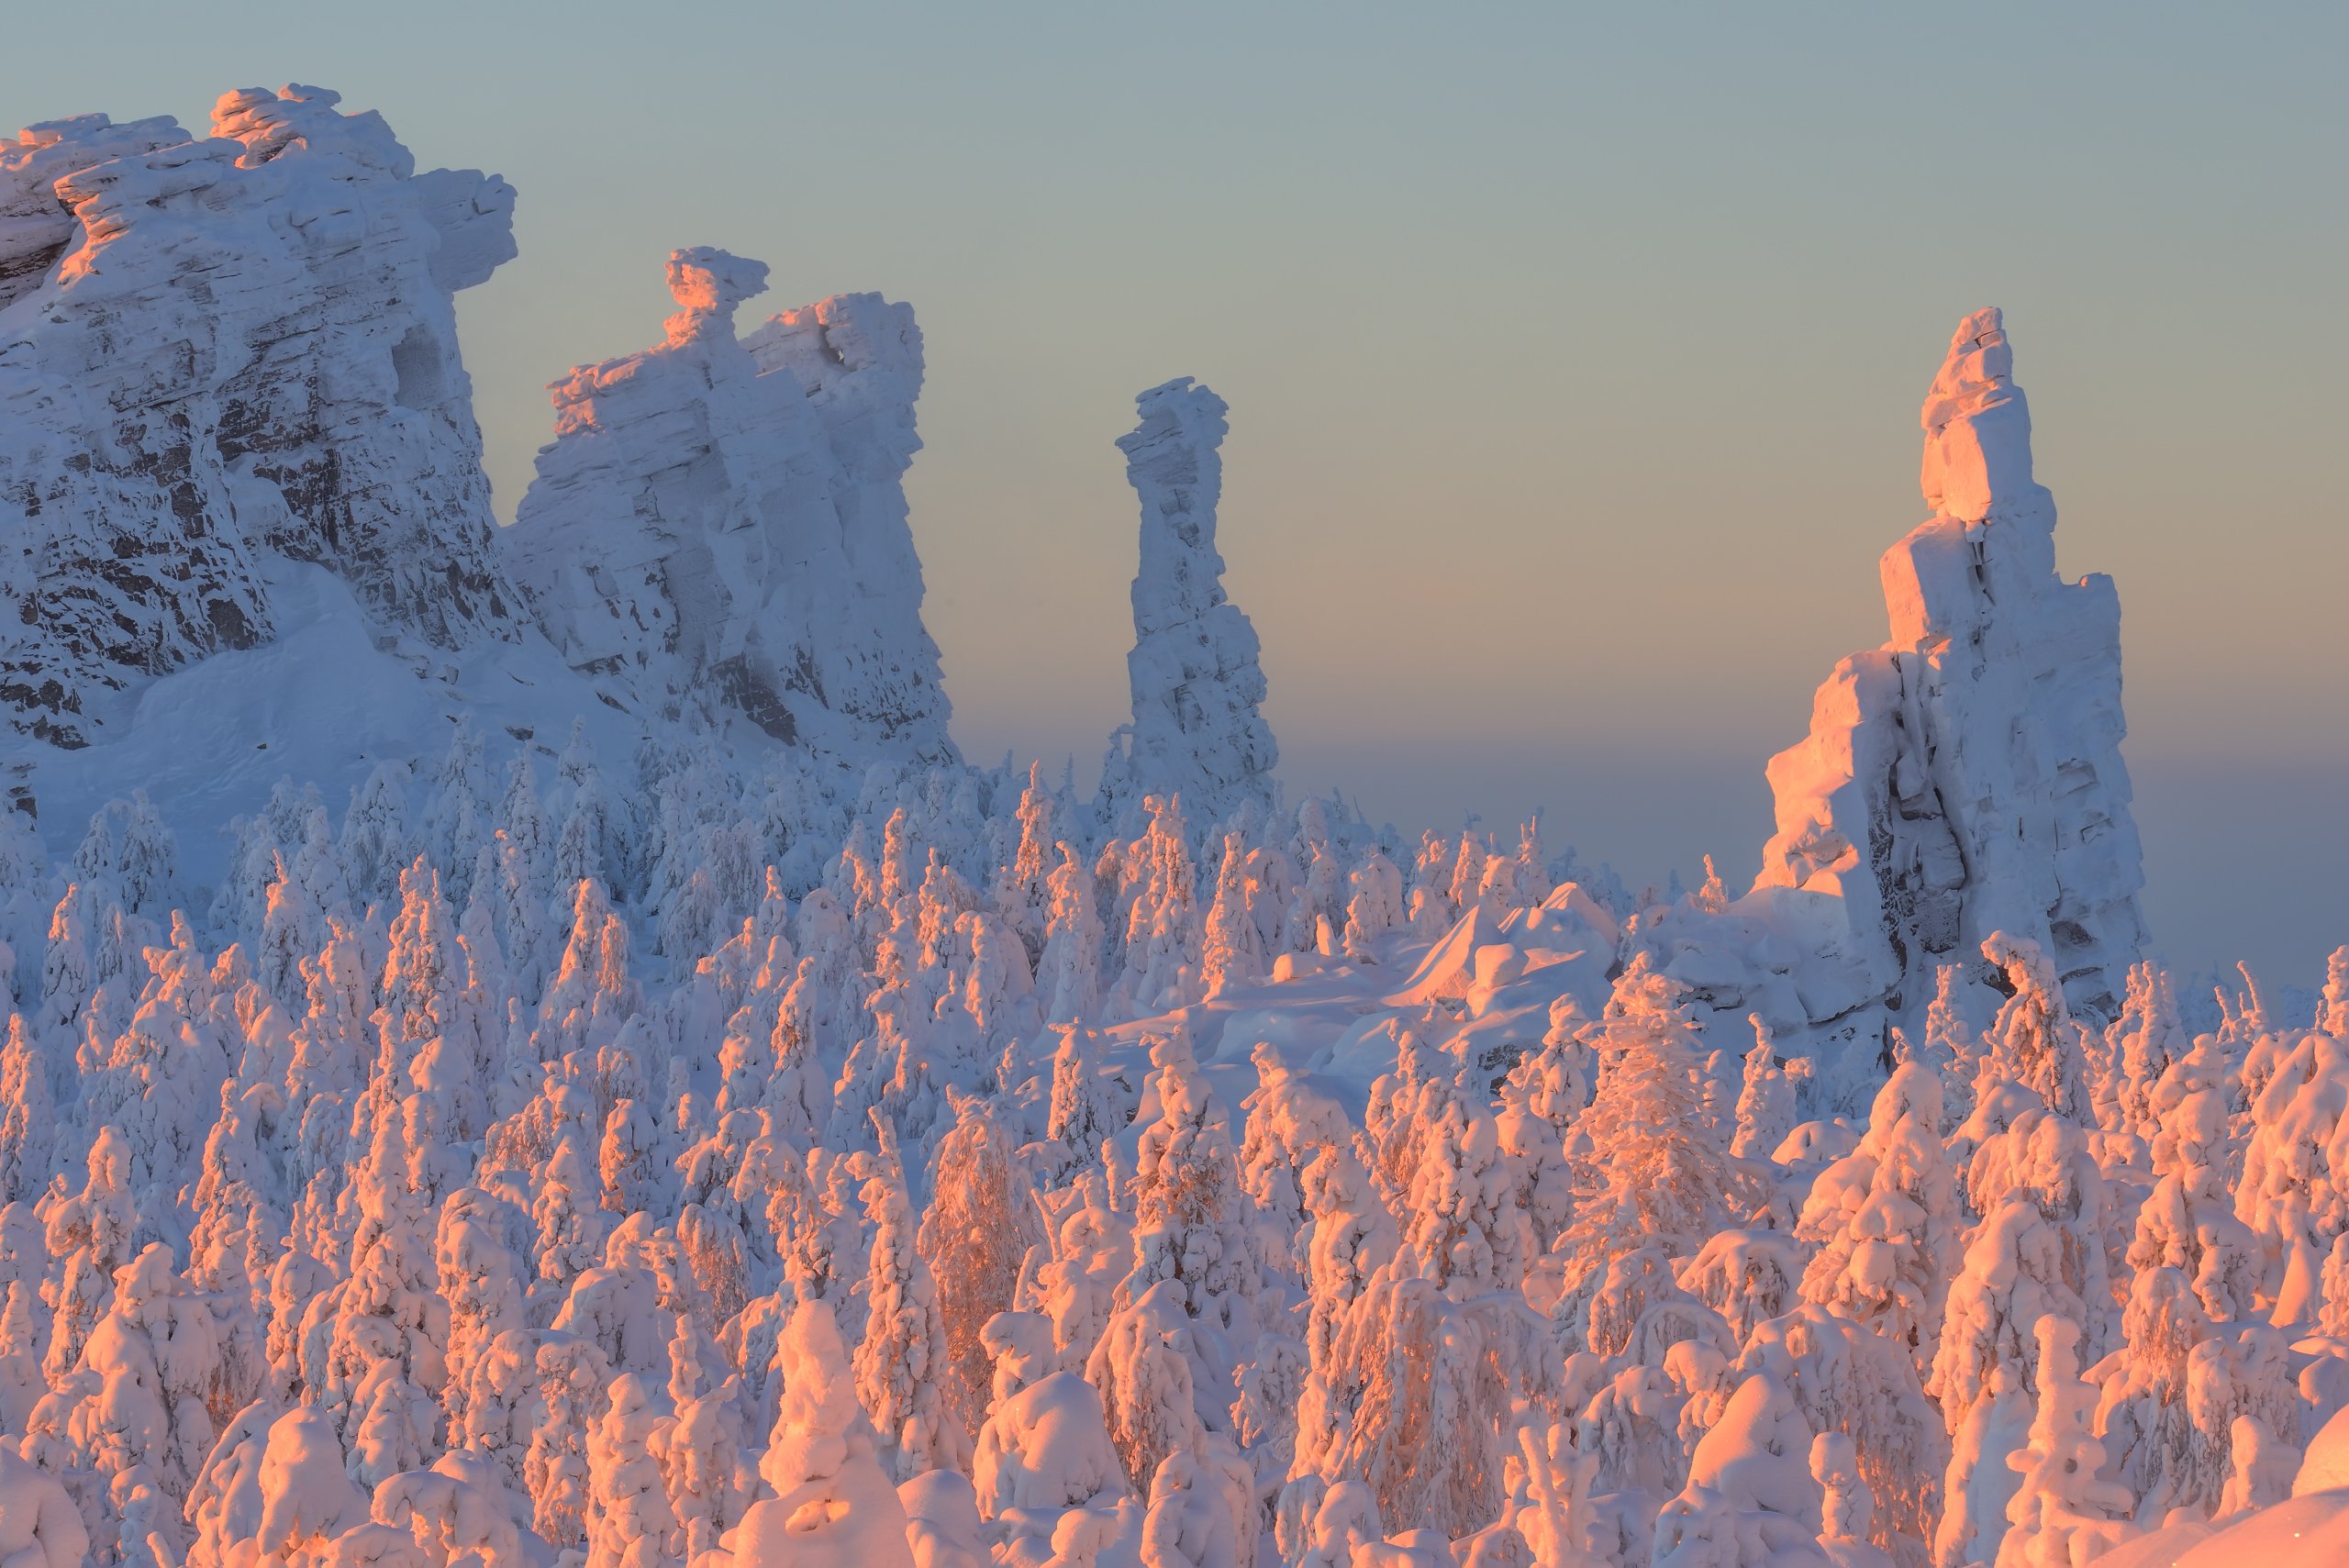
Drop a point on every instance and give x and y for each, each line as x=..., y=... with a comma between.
x=213, y=352
x=719, y=525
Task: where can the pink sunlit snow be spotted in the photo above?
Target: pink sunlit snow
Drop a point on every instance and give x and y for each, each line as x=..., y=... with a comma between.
x=533, y=1047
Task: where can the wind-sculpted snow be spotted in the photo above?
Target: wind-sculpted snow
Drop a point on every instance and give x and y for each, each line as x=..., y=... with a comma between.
x=217, y=355
x=1197, y=682
x=723, y=520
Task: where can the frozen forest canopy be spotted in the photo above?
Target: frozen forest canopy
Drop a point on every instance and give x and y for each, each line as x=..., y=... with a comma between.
x=531, y=1046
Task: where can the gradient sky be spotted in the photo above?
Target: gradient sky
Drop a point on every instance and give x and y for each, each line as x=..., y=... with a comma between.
x=1573, y=354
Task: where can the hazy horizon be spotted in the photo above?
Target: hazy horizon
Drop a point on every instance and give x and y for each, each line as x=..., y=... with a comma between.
x=1573, y=357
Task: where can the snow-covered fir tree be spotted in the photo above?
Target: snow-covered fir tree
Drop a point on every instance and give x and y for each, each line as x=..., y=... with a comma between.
x=670, y=1139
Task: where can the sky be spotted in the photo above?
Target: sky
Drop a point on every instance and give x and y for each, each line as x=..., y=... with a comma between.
x=1574, y=353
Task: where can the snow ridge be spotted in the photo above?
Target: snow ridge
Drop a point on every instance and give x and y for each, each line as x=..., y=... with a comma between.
x=1966, y=778
x=1198, y=684
x=216, y=353
x=720, y=524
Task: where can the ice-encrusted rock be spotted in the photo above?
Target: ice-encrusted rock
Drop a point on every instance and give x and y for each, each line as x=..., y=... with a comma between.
x=1966, y=777
x=217, y=354
x=36, y=226
x=722, y=521
x=1197, y=681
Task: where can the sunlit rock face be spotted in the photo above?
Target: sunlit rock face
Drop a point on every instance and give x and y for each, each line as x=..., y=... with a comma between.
x=719, y=525
x=1966, y=777
x=220, y=353
x=1195, y=671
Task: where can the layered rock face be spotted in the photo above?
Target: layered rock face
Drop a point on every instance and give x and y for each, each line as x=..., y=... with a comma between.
x=721, y=523
x=1197, y=682
x=1966, y=777
x=218, y=353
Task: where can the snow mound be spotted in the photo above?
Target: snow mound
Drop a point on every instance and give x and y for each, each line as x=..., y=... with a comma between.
x=2309, y=1531
x=2324, y=1467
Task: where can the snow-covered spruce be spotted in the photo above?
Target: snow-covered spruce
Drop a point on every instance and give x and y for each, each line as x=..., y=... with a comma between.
x=701, y=1157
x=509, y=1225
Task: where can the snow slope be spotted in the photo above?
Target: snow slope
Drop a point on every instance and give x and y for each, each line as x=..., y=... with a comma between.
x=326, y=702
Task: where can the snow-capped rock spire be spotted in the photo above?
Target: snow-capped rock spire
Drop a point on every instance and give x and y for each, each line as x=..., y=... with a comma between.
x=1966, y=778
x=722, y=523
x=219, y=354
x=708, y=285
x=1197, y=681
x=1978, y=431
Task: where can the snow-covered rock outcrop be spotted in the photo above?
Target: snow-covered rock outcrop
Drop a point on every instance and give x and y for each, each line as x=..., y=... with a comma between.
x=719, y=524
x=1196, y=680
x=1966, y=778
x=218, y=356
